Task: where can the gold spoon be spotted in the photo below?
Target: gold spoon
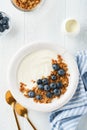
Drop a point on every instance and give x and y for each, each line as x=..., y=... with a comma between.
x=22, y=111
x=11, y=101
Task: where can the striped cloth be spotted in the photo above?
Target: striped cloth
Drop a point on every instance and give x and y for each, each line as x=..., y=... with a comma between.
x=68, y=116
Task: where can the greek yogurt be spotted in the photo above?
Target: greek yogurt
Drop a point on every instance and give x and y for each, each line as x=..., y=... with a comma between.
x=35, y=65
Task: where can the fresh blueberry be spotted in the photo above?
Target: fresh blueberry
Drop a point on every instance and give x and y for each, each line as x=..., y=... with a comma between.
x=55, y=67
x=38, y=97
x=53, y=85
x=1, y=28
x=1, y=16
x=6, y=18
x=57, y=92
x=39, y=81
x=61, y=72
x=1, y=22
x=40, y=86
x=53, y=77
x=6, y=26
x=4, y=21
x=45, y=81
x=31, y=94
x=59, y=84
x=49, y=94
x=46, y=87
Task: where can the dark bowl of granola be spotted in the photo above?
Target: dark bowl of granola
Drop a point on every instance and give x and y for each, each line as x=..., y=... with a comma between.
x=43, y=76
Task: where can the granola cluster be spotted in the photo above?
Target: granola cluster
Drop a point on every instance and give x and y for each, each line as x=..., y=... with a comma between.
x=48, y=88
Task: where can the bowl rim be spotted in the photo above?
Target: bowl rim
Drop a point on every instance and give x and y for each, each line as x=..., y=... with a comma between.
x=11, y=79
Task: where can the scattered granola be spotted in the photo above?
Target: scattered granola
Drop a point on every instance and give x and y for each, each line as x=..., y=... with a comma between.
x=49, y=87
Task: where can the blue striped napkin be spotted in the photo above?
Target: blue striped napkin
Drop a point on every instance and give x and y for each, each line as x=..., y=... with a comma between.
x=69, y=115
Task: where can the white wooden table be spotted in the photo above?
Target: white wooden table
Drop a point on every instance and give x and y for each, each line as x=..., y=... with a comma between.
x=43, y=24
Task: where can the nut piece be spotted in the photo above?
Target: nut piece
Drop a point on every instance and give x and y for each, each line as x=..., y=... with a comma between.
x=23, y=1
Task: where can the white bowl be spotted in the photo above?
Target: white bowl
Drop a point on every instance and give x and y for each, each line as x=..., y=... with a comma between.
x=57, y=103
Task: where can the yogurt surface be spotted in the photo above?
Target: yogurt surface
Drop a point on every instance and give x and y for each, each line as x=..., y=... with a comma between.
x=36, y=65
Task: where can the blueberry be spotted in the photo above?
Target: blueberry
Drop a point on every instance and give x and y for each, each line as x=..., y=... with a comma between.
x=53, y=77
x=6, y=18
x=61, y=72
x=31, y=94
x=46, y=87
x=1, y=28
x=57, y=92
x=1, y=16
x=4, y=21
x=38, y=97
x=53, y=85
x=49, y=94
x=40, y=86
x=39, y=81
x=45, y=81
x=55, y=66
x=6, y=26
x=59, y=84
x=1, y=22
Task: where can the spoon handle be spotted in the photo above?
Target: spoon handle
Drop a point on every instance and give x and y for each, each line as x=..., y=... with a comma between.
x=16, y=119
x=30, y=122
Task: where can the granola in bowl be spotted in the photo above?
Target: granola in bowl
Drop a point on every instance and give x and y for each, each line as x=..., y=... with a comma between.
x=26, y=5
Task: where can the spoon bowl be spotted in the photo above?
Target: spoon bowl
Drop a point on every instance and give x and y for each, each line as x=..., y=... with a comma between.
x=22, y=111
x=9, y=98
